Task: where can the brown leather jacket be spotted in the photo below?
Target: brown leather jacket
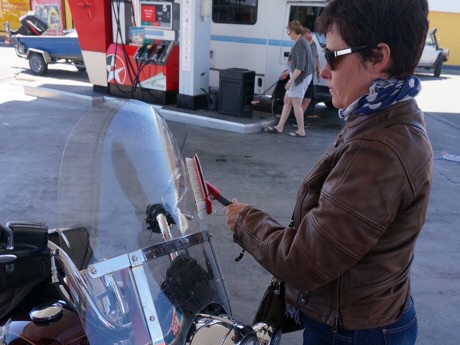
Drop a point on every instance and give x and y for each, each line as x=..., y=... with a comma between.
x=346, y=259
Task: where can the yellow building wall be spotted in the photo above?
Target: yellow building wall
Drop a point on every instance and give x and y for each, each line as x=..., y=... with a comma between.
x=10, y=11
x=448, y=33
x=68, y=16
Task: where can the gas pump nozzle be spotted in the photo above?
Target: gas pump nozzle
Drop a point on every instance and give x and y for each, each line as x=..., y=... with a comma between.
x=167, y=52
x=151, y=51
x=141, y=52
x=158, y=53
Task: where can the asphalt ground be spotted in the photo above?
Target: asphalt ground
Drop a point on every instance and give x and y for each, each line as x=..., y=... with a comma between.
x=259, y=168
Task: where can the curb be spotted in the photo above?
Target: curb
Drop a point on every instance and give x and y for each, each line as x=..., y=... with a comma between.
x=168, y=114
x=43, y=92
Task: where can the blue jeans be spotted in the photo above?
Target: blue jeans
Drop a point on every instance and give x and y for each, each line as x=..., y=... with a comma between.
x=401, y=332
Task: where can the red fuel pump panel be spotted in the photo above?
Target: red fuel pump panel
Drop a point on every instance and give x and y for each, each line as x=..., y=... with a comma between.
x=93, y=21
x=128, y=74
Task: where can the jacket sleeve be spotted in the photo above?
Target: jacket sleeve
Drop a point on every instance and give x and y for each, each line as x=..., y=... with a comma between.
x=359, y=199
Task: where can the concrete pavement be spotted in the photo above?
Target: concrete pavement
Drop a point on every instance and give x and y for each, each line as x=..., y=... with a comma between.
x=258, y=168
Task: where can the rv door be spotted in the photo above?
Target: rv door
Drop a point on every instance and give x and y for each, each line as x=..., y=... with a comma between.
x=304, y=11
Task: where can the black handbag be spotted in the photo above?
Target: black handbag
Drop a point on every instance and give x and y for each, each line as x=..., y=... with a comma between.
x=272, y=309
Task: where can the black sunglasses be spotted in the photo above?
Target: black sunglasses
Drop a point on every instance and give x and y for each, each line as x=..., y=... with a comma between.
x=331, y=55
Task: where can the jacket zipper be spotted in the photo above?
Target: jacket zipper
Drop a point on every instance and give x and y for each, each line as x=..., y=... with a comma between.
x=335, y=326
x=339, y=139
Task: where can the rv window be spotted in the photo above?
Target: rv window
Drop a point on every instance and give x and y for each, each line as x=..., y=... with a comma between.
x=305, y=14
x=234, y=11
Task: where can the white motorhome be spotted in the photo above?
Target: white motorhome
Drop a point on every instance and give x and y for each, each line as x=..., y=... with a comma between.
x=252, y=35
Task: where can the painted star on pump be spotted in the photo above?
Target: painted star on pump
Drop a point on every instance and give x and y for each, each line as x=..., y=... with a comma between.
x=113, y=72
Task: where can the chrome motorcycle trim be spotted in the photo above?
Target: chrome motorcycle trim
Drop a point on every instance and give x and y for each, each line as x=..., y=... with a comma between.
x=81, y=292
x=212, y=329
x=267, y=334
x=138, y=257
x=6, y=258
x=108, y=266
x=148, y=304
x=165, y=231
x=135, y=261
x=46, y=312
x=176, y=244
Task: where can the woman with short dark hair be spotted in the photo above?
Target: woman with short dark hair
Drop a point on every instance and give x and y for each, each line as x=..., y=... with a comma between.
x=347, y=254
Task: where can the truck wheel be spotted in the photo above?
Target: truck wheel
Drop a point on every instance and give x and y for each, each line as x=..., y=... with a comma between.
x=438, y=66
x=37, y=64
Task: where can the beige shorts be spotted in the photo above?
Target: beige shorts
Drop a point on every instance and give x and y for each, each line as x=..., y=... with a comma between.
x=298, y=91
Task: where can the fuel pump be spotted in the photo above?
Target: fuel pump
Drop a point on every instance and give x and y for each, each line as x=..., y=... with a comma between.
x=143, y=60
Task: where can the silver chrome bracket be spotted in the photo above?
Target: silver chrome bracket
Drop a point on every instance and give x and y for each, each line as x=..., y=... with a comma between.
x=135, y=262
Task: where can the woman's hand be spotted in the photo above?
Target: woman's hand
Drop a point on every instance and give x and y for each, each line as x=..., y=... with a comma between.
x=284, y=75
x=232, y=212
x=288, y=85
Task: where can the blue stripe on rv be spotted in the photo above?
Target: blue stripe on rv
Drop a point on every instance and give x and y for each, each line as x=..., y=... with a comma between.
x=249, y=40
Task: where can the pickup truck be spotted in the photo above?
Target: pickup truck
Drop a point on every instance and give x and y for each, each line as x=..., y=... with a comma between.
x=433, y=56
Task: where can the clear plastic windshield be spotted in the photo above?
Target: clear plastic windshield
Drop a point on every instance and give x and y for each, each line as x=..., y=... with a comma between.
x=137, y=259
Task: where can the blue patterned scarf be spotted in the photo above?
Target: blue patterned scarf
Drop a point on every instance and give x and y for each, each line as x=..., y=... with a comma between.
x=382, y=94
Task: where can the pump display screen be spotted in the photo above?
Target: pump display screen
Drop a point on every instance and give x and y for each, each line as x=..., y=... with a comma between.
x=156, y=14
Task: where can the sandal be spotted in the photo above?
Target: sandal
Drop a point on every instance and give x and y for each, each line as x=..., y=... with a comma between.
x=271, y=129
x=296, y=135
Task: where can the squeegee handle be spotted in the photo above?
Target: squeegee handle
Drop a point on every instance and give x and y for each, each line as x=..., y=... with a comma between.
x=216, y=195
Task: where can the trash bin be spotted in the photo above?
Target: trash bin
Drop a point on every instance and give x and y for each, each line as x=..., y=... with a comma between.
x=236, y=91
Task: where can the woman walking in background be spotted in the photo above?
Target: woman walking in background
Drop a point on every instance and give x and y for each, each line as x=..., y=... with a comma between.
x=301, y=70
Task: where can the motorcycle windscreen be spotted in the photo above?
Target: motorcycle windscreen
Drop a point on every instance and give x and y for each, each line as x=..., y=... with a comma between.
x=149, y=266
